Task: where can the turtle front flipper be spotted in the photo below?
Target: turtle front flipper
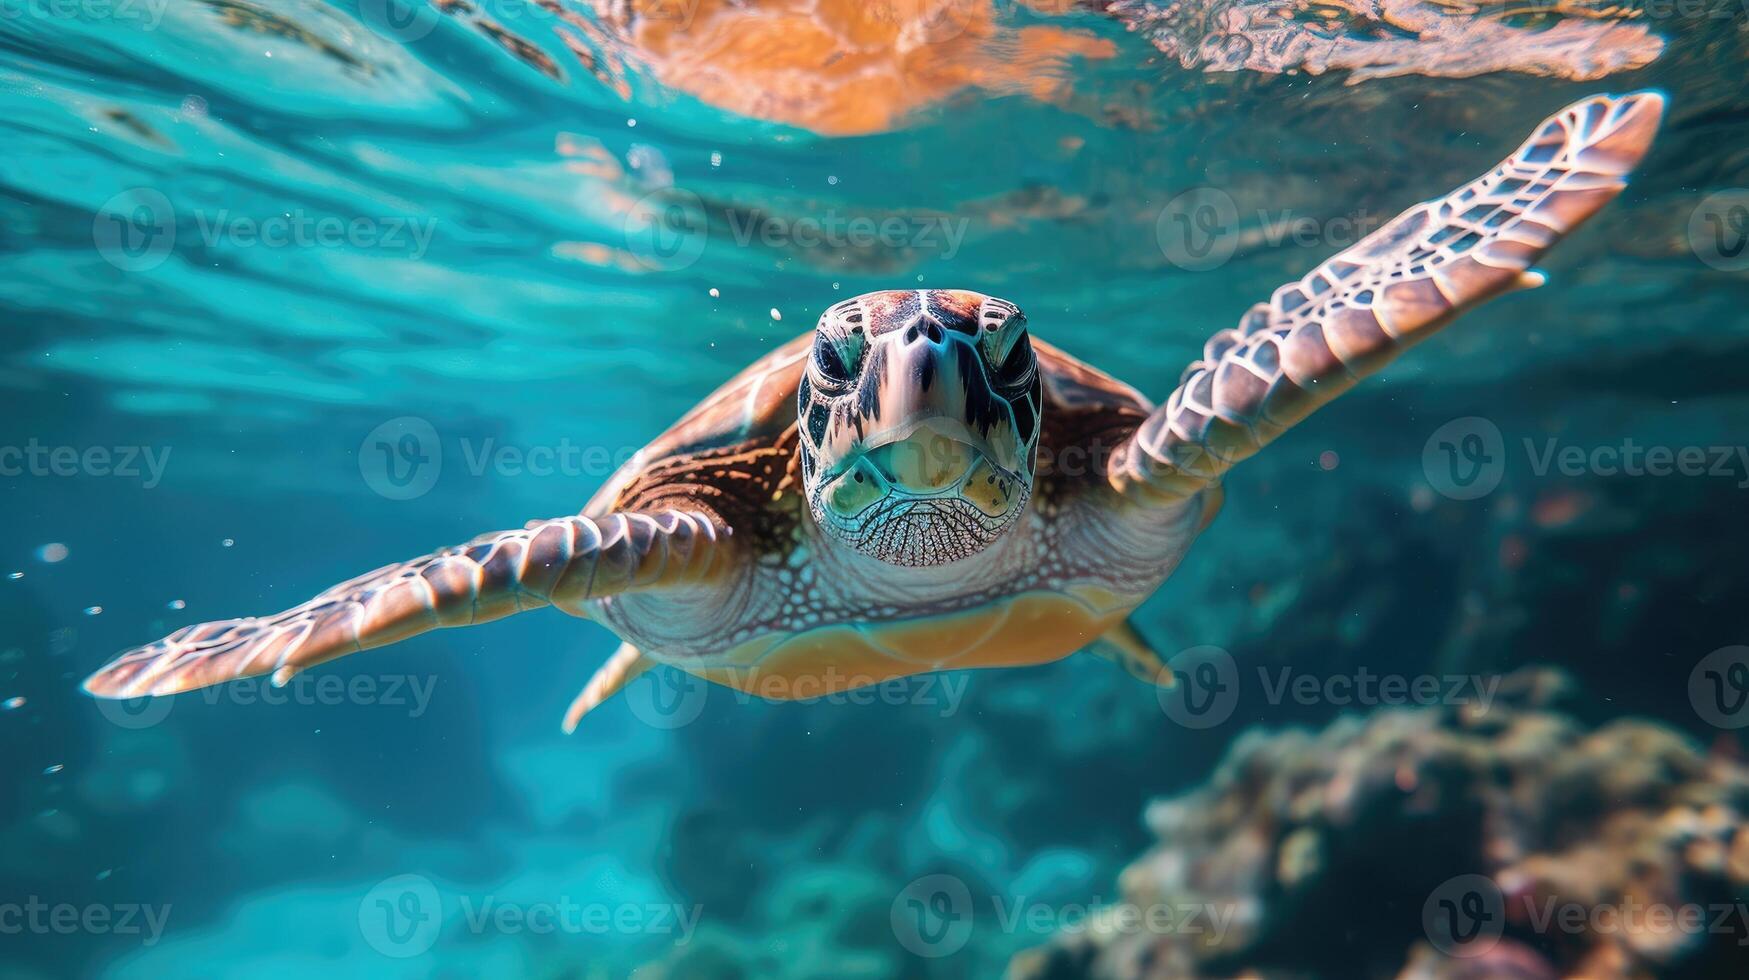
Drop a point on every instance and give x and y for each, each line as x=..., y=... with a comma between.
x=562, y=562
x=1355, y=313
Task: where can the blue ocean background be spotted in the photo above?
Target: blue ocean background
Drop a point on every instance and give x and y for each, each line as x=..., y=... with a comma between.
x=548, y=272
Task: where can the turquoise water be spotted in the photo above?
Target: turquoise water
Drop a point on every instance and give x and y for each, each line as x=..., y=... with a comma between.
x=241, y=245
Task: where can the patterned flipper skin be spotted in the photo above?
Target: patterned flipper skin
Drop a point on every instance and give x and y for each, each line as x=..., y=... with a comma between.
x=1352, y=315
x=562, y=562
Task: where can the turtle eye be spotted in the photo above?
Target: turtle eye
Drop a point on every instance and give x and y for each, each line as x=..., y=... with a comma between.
x=1017, y=367
x=830, y=362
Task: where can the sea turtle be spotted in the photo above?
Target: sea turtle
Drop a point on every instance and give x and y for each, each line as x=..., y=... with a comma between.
x=919, y=485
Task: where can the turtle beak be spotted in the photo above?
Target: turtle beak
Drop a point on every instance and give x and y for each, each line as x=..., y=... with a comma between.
x=933, y=458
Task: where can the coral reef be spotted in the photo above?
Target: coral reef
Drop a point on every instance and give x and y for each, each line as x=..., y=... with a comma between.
x=1442, y=843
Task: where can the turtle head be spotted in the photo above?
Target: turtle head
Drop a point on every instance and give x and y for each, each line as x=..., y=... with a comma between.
x=919, y=423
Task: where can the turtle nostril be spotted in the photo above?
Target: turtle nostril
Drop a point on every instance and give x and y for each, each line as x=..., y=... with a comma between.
x=924, y=330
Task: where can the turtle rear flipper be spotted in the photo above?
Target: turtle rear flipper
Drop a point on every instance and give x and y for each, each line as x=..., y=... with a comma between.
x=626, y=665
x=1355, y=313
x=563, y=562
x=1124, y=646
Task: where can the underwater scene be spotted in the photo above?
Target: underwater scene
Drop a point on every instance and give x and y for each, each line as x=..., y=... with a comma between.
x=921, y=419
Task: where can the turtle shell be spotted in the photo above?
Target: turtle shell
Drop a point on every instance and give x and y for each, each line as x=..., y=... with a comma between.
x=758, y=405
